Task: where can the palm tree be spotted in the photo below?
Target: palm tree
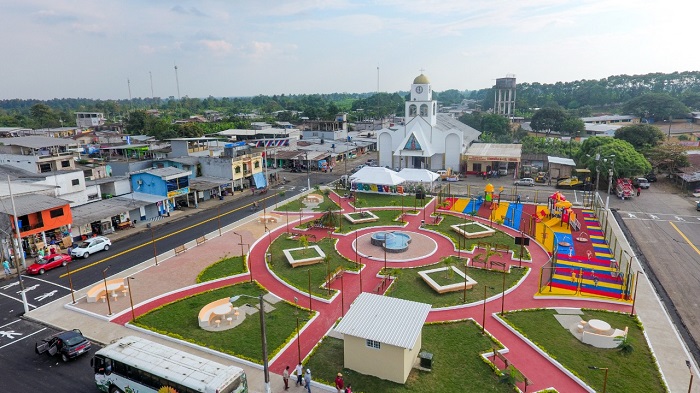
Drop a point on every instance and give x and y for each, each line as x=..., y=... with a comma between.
x=625, y=344
x=511, y=376
x=304, y=242
x=484, y=258
x=447, y=262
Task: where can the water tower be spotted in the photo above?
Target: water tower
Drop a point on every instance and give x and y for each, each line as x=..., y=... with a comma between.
x=504, y=96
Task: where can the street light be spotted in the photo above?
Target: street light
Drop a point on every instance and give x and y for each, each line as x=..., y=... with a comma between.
x=483, y=318
x=104, y=276
x=266, y=371
x=131, y=299
x=70, y=282
x=153, y=240
x=690, y=385
x=605, y=379
x=308, y=168
x=296, y=312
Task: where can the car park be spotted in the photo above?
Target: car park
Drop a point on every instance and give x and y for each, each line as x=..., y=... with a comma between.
x=48, y=262
x=526, y=181
x=69, y=345
x=91, y=246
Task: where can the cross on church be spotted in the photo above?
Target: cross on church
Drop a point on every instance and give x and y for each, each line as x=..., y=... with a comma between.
x=421, y=70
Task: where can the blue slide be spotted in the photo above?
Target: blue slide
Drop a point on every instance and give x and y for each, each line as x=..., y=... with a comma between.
x=514, y=215
x=473, y=205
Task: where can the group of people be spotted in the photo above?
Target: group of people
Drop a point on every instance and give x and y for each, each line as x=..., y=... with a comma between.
x=490, y=174
x=304, y=379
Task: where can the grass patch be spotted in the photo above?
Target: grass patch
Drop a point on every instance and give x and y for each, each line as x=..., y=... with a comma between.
x=386, y=218
x=386, y=200
x=299, y=277
x=472, y=228
x=448, y=277
x=179, y=320
x=225, y=267
x=457, y=366
x=499, y=237
x=304, y=253
x=410, y=286
x=297, y=204
x=635, y=372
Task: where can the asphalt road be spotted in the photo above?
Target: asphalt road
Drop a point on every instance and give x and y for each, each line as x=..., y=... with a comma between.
x=666, y=229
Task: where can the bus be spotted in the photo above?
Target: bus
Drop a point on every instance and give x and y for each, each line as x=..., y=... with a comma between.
x=136, y=365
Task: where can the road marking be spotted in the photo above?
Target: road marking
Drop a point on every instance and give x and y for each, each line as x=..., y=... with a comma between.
x=45, y=295
x=9, y=334
x=244, y=207
x=685, y=237
x=631, y=215
x=653, y=217
x=10, y=323
x=8, y=286
x=679, y=218
x=20, y=339
x=46, y=282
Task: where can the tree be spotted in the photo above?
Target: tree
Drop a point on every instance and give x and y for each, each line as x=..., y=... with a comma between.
x=627, y=160
x=641, y=136
x=43, y=115
x=668, y=156
x=658, y=106
x=573, y=126
x=548, y=119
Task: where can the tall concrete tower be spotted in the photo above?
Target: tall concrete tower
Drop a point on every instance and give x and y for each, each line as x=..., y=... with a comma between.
x=504, y=96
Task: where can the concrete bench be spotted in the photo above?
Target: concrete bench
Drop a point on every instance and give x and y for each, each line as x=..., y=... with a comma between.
x=206, y=317
x=98, y=291
x=268, y=218
x=180, y=249
x=201, y=240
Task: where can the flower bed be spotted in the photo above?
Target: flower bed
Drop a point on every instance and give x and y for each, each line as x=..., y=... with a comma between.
x=361, y=217
x=473, y=230
x=295, y=255
x=458, y=285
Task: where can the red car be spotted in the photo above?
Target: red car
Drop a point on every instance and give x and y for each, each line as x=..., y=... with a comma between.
x=49, y=262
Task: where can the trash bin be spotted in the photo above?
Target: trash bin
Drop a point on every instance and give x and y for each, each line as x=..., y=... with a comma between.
x=426, y=360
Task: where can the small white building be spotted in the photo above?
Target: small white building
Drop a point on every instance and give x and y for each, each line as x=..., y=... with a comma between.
x=382, y=335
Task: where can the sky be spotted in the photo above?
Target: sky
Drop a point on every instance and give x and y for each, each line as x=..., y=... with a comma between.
x=102, y=49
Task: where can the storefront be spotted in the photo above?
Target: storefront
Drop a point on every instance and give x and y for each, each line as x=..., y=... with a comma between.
x=499, y=159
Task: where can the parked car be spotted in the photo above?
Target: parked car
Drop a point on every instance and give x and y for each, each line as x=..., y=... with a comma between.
x=641, y=182
x=69, y=344
x=48, y=262
x=90, y=246
x=651, y=177
x=525, y=181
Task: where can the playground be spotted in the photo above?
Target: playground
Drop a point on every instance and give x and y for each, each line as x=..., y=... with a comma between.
x=571, y=262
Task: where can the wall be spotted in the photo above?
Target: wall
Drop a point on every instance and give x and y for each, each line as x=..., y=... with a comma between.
x=49, y=222
x=386, y=363
x=76, y=194
x=150, y=184
x=28, y=163
x=123, y=168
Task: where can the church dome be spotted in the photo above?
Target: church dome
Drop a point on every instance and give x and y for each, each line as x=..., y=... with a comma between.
x=421, y=80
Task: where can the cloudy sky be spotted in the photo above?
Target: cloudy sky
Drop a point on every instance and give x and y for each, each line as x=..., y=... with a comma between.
x=87, y=48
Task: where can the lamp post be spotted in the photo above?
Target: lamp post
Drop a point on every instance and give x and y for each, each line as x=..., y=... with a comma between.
x=308, y=168
x=104, y=276
x=605, y=378
x=296, y=312
x=263, y=333
x=503, y=291
x=483, y=318
x=342, y=293
x=218, y=217
x=70, y=283
x=153, y=240
x=634, y=296
x=690, y=384
x=131, y=299
x=241, y=241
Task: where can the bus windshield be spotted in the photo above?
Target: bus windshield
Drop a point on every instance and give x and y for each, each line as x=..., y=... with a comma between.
x=137, y=364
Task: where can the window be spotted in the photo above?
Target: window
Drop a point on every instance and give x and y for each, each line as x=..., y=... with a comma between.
x=374, y=344
x=424, y=110
x=412, y=110
x=257, y=164
x=56, y=213
x=237, y=169
x=65, y=164
x=75, y=182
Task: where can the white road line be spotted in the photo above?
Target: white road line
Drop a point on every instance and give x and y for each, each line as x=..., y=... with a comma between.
x=10, y=323
x=47, y=282
x=19, y=300
x=20, y=339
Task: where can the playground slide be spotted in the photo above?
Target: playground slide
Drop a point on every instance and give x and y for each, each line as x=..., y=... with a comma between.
x=473, y=206
x=501, y=211
x=514, y=215
x=460, y=204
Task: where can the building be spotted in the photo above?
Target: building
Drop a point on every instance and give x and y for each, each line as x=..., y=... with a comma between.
x=427, y=139
x=89, y=119
x=611, y=119
x=382, y=335
x=487, y=157
x=504, y=96
x=328, y=130
x=170, y=184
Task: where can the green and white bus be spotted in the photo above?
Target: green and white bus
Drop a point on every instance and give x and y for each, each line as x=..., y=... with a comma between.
x=136, y=365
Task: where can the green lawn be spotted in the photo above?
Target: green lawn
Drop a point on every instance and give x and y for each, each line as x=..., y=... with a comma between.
x=457, y=366
x=297, y=204
x=368, y=199
x=447, y=277
x=223, y=268
x=179, y=320
x=304, y=253
x=636, y=372
x=472, y=228
x=299, y=277
x=411, y=286
x=499, y=237
x=386, y=218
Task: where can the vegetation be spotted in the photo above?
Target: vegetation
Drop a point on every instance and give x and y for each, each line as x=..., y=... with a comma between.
x=225, y=267
x=386, y=218
x=495, y=128
x=641, y=136
x=634, y=372
x=550, y=146
x=556, y=119
x=656, y=106
x=668, y=156
x=298, y=204
x=628, y=161
x=179, y=320
x=457, y=366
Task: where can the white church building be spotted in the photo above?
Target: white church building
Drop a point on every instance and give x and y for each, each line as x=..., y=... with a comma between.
x=427, y=139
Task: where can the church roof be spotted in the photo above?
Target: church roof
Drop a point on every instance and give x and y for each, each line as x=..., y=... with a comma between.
x=447, y=122
x=421, y=79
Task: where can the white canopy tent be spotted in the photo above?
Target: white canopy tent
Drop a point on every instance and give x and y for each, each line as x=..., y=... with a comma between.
x=420, y=177
x=377, y=175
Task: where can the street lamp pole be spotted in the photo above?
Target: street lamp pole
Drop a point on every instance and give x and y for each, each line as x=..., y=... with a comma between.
x=131, y=299
x=605, y=379
x=503, y=292
x=634, y=296
x=70, y=283
x=308, y=168
x=104, y=276
x=690, y=385
x=153, y=241
x=296, y=312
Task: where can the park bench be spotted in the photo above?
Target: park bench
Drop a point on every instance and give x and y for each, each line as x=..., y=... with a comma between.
x=201, y=240
x=180, y=249
x=500, y=356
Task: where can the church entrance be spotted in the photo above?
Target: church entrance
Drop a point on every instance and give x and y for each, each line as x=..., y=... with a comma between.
x=418, y=162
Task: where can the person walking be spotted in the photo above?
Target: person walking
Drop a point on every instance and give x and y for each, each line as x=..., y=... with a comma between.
x=285, y=378
x=339, y=383
x=639, y=191
x=300, y=375
x=348, y=389
x=307, y=380
x=6, y=266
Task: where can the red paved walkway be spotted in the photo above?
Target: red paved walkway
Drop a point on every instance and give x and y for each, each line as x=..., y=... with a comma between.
x=536, y=367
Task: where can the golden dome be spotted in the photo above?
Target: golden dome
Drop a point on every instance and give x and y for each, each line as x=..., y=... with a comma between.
x=421, y=80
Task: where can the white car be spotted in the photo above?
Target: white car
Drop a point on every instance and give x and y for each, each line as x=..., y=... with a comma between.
x=90, y=246
x=526, y=181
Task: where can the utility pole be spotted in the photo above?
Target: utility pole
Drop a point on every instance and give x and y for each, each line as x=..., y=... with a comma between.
x=19, y=250
x=153, y=97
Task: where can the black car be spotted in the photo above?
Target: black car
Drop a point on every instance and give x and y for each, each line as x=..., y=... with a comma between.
x=651, y=177
x=69, y=344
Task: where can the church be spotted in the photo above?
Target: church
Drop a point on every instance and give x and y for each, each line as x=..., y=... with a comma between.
x=426, y=139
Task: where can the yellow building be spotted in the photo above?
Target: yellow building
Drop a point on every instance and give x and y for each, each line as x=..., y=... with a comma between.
x=382, y=335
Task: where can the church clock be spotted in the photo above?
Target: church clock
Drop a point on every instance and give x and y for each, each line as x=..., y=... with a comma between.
x=419, y=89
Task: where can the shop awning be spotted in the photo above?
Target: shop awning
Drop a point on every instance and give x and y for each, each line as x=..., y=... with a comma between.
x=104, y=209
x=205, y=183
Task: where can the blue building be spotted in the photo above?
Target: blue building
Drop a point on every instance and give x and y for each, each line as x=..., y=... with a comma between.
x=171, y=183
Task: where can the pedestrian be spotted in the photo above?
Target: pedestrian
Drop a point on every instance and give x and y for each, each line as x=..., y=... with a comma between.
x=639, y=191
x=348, y=389
x=595, y=281
x=339, y=383
x=285, y=378
x=6, y=266
x=518, y=200
x=307, y=380
x=300, y=375
x=571, y=251
x=527, y=199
